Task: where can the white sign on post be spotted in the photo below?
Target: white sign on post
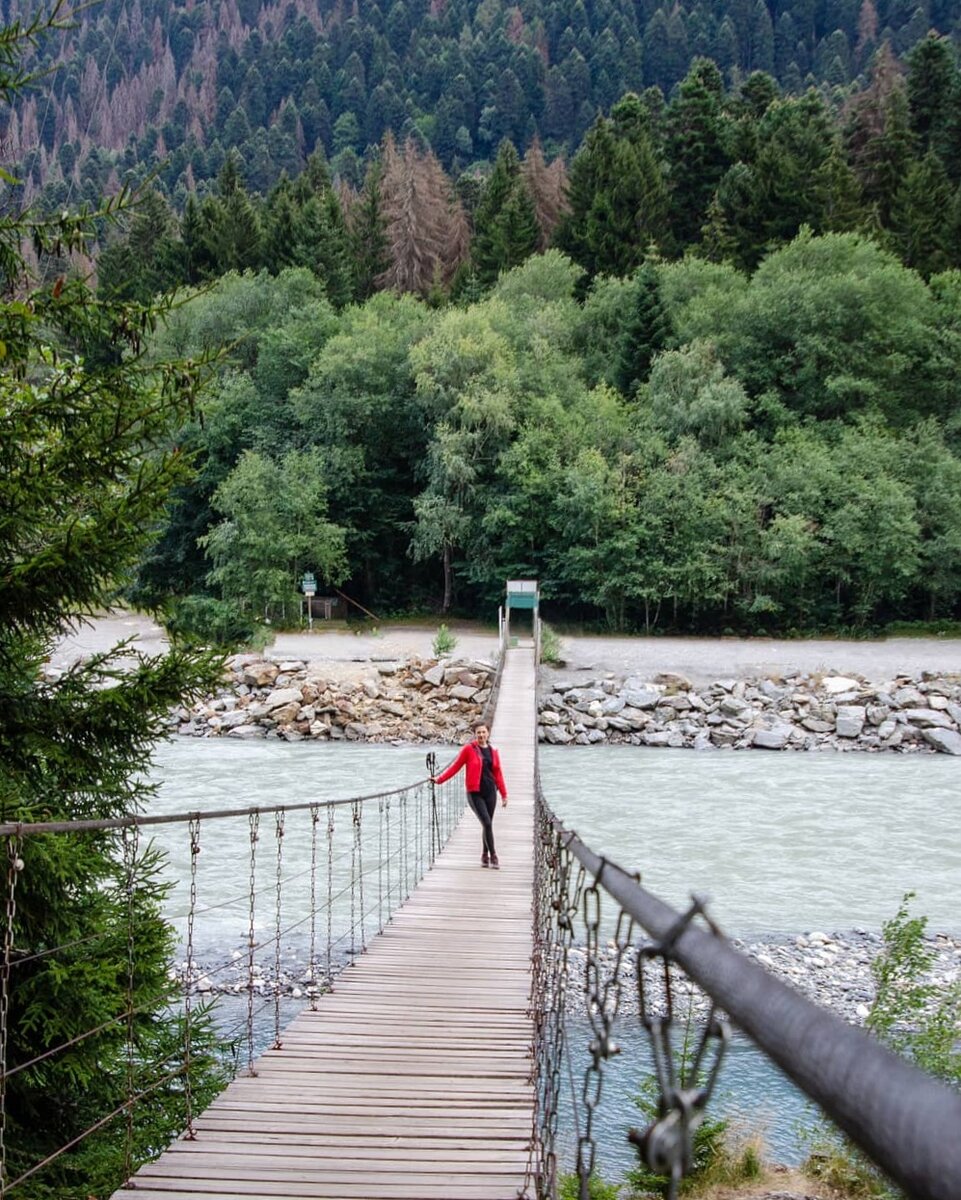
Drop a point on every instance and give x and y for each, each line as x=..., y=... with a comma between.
x=309, y=586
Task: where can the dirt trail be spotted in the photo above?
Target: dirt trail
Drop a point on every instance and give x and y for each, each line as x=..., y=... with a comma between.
x=700, y=659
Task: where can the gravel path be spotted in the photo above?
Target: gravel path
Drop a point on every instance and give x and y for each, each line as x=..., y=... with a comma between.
x=703, y=660
x=700, y=659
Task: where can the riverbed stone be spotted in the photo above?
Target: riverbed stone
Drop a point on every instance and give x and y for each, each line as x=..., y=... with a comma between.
x=641, y=698
x=557, y=735
x=733, y=706
x=775, y=738
x=261, y=674
x=434, y=675
x=909, y=697
x=945, y=740
x=282, y=696
x=248, y=732
x=817, y=725
x=928, y=717
x=463, y=691
x=835, y=685
x=850, y=720
x=231, y=720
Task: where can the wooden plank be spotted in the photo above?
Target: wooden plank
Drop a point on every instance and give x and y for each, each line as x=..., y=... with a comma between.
x=410, y=1080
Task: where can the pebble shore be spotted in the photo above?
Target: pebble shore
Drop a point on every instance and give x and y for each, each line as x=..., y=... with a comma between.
x=417, y=700
x=834, y=970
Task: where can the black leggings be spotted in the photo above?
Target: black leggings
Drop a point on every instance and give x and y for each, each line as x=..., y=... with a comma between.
x=483, y=805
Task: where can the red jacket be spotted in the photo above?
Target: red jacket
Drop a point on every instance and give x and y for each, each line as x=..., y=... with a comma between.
x=471, y=758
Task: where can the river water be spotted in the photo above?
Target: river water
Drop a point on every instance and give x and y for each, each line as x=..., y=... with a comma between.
x=783, y=843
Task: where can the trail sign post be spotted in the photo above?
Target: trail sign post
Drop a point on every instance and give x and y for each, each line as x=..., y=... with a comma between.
x=308, y=586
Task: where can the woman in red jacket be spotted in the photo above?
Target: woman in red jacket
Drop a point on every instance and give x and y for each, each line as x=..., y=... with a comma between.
x=484, y=780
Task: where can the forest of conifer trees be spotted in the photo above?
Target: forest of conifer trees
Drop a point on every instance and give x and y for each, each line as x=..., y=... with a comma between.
x=592, y=350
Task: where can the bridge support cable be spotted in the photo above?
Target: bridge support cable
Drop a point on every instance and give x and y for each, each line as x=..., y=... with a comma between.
x=904, y=1120
x=289, y=888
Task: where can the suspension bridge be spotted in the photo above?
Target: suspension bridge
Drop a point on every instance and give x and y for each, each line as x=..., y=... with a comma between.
x=413, y=1077
x=432, y=1061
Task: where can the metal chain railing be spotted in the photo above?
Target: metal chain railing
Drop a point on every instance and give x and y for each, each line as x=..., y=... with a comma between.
x=14, y=867
x=338, y=887
x=904, y=1120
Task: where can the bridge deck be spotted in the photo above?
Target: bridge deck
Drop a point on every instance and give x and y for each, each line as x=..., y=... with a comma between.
x=411, y=1079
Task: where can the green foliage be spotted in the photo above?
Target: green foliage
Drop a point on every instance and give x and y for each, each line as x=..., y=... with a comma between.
x=505, y=227
x=569, y=1188
x=444, y=642
x=618, y=195
x=274, y=528
x=550, y=646
x=790, y=460
x=714, y=1159
x=206, y=620
x=916, y=1018
x=86, y=466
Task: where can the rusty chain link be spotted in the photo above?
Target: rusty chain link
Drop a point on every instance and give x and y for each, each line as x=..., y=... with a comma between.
x=14, y=867
x=253, y=822
x=329, y=982
x=279, y=830
x=312, y=963
x=565, y=901
x=130, y=841
x=684, y=1082
x=194, y=831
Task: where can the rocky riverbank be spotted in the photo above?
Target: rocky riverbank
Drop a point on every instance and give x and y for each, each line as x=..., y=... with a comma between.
x=834, y=970
x=800, y=712
x=430, y=700
x=396, y=701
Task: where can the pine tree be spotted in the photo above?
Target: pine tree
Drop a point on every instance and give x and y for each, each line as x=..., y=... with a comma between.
x=617, y=195
x=647, y=332
x=505, y=224
x=547, y=187
x=86, y=467
x=321, y=244
x=839, y=196
x=367, y=234
x=921, y=223
x=280, y=228
x=932, y=83
x=696, y=149
x=426, y=228
x=878, y=138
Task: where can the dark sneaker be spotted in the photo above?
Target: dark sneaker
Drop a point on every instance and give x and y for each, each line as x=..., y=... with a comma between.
x=494, y=862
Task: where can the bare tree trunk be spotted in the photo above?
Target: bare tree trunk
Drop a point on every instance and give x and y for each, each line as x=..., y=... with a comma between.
x=447, y=579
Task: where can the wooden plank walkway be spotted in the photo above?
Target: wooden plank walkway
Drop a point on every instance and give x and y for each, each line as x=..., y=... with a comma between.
x=411, y=1079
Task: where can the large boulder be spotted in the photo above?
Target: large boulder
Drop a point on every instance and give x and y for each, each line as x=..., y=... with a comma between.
x=834, y=685
x=248, y=732
x=232, y=720
x=775, y=738
x=945, y=740
x=281, y=697
x=260, y=674
x=928, y=717
x=850, y=720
